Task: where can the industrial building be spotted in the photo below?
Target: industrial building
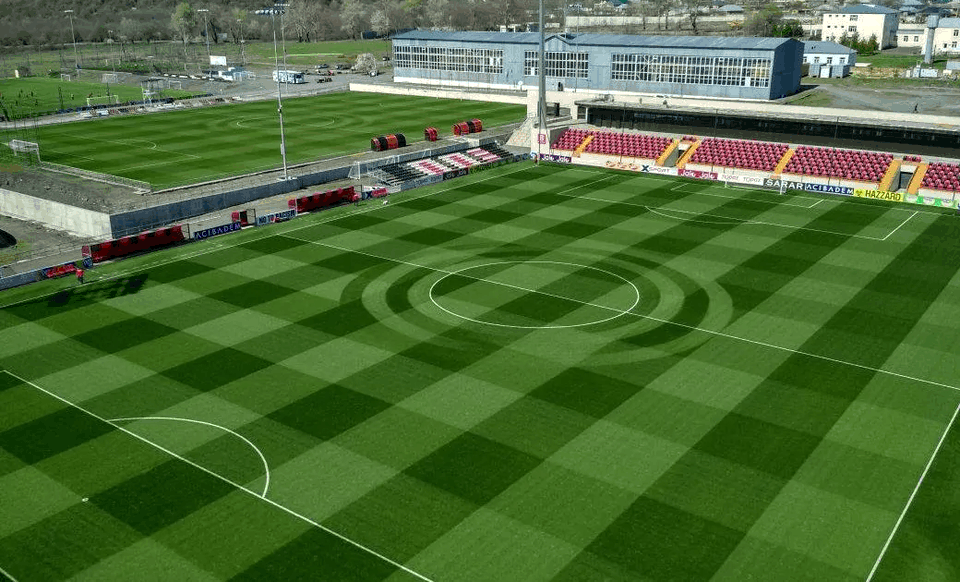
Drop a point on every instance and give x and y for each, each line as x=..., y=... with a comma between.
x=688, y=66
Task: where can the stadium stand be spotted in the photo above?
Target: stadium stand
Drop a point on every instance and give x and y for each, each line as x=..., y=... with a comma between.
x=634, y=145
x=736, y=153
x=941, y=176
x=857, y=165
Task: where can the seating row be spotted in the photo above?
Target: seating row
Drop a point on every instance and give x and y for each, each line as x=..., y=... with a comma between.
x=320, y=200
x=941, y=176
x=127, y=245
x=736, y=153
x=637, y=145
x=836, y=163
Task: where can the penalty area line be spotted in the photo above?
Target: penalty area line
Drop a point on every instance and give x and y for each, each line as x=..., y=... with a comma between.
x=906, y=508
x=283, y=508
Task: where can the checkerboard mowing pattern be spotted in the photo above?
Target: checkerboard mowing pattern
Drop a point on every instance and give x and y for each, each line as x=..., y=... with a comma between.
x=538, y=373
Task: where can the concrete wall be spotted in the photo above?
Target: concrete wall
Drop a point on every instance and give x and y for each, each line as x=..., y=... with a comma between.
x=77, y=221
x=146, y=218
x=518, y=99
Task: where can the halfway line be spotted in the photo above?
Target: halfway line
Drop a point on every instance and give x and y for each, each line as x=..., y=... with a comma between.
x=639, y=315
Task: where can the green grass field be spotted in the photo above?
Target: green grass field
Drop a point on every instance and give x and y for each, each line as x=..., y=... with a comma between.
x=201, y=144
x=532, y=373
x=314, y=53
x=34, y=95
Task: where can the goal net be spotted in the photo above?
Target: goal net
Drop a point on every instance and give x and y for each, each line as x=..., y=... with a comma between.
x=66, y=77
x=112, y=78
x=30, y=148
x=103, y=100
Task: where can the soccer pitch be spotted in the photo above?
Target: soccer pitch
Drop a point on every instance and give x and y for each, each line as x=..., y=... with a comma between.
x=533, y=373
x=194, y=145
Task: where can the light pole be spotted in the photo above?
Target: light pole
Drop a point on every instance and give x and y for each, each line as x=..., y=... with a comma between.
x=276, y=57
x=206, y=33
x=76, y=61
x=243, y=59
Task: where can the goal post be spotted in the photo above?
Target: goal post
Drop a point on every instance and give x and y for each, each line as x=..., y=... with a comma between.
x=103, y=100
x=20, y=146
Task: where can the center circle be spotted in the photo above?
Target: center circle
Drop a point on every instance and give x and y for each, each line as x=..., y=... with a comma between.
x=517, y=281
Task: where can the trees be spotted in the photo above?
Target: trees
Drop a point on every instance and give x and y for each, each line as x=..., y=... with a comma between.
x=437, y=13
x=183, y=21
x=380, y=22
x=352, y=16
x=788, y=29
x=763, y=21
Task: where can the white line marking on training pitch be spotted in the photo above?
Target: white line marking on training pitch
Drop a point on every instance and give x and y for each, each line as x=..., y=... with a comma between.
x=903, y=513
x=7, y=574
x=642, y=316
x=224, y=479
x=899, y=225
x=266, y=467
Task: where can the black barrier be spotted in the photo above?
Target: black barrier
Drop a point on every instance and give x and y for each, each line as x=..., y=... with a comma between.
x=276, y=217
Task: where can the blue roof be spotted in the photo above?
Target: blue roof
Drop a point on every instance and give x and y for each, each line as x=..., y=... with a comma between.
x=868, y=9
x=825, y=47
x=616, y=40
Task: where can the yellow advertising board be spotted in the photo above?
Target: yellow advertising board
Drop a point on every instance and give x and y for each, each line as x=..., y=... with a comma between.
x=878, y=195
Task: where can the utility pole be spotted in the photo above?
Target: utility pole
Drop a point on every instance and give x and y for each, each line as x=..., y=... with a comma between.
x=76, y=61
x=206, y=32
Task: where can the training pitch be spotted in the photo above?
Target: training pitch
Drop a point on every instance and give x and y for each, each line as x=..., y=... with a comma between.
x=532, y=373
x=188, y=146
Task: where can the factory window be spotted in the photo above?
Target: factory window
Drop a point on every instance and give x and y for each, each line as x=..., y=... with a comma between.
x=853, y=17
x=956, y=32
x=690, y=69
x=916, y=39
x=852, y=28
x=454, y=59
x=559, y=65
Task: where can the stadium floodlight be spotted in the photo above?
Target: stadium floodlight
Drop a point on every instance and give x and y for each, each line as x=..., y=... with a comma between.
x=278, y=9
x=76, y=61
x=206, y=32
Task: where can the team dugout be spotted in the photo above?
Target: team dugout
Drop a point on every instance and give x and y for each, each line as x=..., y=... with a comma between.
x=691, y=66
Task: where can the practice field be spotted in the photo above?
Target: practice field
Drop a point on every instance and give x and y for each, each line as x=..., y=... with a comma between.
x=194, y=145
x=532, y=373
x=33, y=95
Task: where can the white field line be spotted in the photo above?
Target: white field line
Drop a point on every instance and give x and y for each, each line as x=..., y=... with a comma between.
x=263, y=460
x=889, y=234
x=847, y=199
x=903, y=513
x=641, y=316
x=728, y=218
x=765, y=223
x=7, y=574
x=223, y=243
x=817, y=202
x=225, y=480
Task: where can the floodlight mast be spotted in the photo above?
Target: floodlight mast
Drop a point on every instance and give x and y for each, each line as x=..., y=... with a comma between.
x=76, y=61
x=276, y=57
x=542, y=90
x=206, y=32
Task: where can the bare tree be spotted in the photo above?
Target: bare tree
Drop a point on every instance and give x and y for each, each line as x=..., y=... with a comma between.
x=352, y=16
x=438, y=13
x=380, y=22
x=182, y=22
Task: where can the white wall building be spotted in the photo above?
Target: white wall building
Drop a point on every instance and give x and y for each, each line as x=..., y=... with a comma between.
x=946, y=36
x=828, y=59
x=865, y=20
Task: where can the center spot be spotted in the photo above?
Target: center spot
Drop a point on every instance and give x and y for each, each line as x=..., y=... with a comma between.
x=534, y=294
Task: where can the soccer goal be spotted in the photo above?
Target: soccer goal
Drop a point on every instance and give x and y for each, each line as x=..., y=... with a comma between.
x=171, y=84
x=20, y=146
x=110, y=78
x=103, y=100
x=66, y=77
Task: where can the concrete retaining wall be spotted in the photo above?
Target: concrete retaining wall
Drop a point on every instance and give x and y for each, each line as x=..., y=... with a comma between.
x=518, y=99
x=145, y=218
x=55, y=215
